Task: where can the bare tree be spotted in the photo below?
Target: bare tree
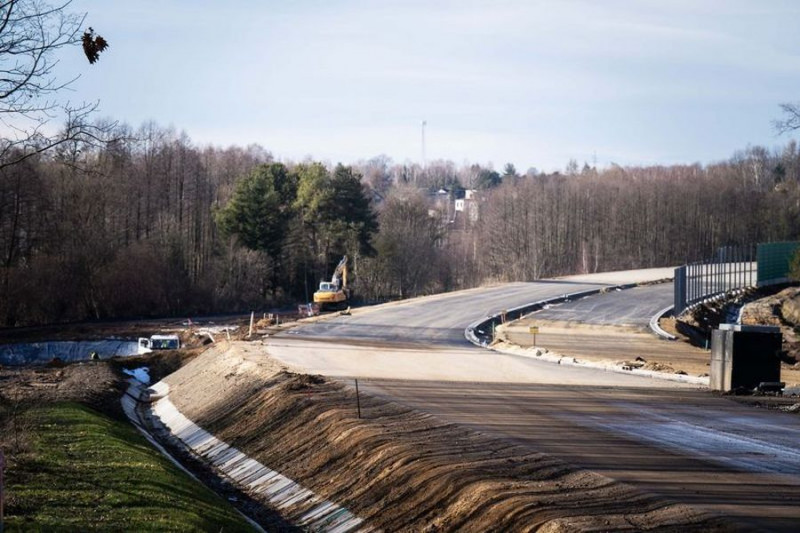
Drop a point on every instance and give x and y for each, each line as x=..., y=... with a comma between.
x=32, y=32
x=791, y=118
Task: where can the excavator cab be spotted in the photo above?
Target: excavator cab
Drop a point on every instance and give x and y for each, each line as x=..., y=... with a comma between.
x=326, y=286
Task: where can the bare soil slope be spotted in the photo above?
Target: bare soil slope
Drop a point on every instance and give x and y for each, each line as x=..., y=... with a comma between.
x=400, y=469
x=91, y=383
x=781, y=309
x=613, y=345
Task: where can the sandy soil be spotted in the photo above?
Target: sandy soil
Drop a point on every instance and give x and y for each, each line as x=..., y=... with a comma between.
x=612, y=345
x=397, y=468
x=781, y=310
x=348, y=359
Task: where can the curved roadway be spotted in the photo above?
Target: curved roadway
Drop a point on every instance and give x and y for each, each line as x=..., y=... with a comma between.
x=669, y=438
x=629, y=307
x=440, y=319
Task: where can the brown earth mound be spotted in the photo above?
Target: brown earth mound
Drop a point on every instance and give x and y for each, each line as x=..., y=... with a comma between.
x=97, y=384
x=790, y=309
x=766, y=306
x=91, y=383
x=400, y=469
x=782, y=310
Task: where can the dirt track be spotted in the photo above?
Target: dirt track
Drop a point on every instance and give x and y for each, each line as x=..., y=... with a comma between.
x=400, y=469
x=610, y=345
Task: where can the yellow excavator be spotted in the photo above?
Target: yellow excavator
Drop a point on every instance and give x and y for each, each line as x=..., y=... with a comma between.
x=334, y=293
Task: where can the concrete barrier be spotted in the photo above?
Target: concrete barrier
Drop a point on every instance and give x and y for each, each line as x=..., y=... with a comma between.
x=656, y=328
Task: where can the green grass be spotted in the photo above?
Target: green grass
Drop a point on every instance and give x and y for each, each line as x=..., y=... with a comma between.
x=87, y=472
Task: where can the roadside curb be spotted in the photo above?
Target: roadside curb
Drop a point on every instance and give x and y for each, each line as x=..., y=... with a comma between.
x=478, y=333
x=656, y=328
x=554, y=358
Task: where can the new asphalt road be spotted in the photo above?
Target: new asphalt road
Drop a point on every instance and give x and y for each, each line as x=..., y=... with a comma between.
x=673, y=439
x=629, y=307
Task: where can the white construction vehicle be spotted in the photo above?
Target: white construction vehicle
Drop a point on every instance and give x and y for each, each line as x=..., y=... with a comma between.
x=158, y=342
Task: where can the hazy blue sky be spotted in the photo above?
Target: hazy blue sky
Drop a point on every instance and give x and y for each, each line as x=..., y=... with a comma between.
x=533, y=83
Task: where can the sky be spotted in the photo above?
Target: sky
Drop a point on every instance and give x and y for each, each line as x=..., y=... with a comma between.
x=534, y=83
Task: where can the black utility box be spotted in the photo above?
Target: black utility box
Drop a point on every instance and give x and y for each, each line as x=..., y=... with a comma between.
x=743, y=357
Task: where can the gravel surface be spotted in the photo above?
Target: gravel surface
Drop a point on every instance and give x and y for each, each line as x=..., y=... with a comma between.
x=401, y=469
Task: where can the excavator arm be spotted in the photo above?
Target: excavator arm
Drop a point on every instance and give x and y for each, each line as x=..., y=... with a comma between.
x=340, y=274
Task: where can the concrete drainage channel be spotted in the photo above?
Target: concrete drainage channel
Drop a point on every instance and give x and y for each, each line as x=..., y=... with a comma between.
x=151, y=409
x=480, y=334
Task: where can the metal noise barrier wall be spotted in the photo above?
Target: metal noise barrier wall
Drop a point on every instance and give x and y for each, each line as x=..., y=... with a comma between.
x=732, y=267
x=774, y=259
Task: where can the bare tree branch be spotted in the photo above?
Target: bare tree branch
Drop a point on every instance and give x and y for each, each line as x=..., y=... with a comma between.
x=32, y=32
x=791, y=118
x=77, y=128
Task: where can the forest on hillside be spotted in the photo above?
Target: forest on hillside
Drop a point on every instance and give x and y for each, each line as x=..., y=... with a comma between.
x=146, y=223
x=102, y=220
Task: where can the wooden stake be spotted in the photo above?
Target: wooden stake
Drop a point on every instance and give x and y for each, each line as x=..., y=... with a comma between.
x=2, y=468
x=358, y=402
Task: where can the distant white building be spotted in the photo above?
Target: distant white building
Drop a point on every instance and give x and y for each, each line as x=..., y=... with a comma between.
x=463, y=204
x=467, y=208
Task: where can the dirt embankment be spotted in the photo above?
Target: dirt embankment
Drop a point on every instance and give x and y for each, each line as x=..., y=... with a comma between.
x=92, y=383
x=623, y=347
x=755, y=307
x=782, y=310
x=400, y=469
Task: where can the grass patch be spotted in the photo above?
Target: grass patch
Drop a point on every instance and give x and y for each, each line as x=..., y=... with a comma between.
x=83, y=471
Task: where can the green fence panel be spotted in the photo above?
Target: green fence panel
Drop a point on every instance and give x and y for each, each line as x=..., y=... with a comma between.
x=773, y=260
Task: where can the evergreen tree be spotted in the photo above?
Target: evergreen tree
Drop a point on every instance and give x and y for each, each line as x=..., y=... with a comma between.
x=261, y=208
